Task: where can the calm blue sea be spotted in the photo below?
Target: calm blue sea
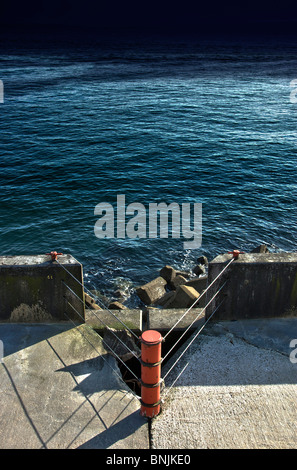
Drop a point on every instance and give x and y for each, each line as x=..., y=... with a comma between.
x=199, y=122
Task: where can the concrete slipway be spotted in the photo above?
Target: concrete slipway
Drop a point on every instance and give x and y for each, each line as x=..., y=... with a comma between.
x=58, y=392
x=238, y=391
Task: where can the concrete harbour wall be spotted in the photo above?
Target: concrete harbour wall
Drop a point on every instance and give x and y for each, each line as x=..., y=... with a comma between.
x=32, y=289
x=259, y=285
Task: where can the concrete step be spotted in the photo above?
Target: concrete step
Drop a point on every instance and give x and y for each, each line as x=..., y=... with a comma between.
x=132, y=318
x=149, y=319
x=165, y=319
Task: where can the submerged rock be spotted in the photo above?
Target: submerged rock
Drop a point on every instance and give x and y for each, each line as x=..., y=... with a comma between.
x=122, y=287
x=119, y=293
x=100, y=298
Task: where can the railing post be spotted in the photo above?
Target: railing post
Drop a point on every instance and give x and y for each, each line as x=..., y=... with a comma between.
x=150, y=373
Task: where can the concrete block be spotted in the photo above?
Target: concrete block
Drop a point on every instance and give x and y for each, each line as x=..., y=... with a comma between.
x=199, y=283
x=199, y=269
x=185, y=274
x=260, y=249
x=168, y=273
x=37, y=289
x=166, y=298
x=164, y=319
x=202, y=260
x=177, y=281
x=91, y=303
x=116, y=306
x=152, y=291
x=184, y=297
x=99, y=319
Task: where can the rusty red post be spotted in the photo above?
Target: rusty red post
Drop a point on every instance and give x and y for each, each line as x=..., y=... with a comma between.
x=235, y=253
x=150, y=373
x=54, y=255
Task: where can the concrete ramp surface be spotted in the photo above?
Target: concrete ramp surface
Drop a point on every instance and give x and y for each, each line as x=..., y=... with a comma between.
x=58, y=391
x=239, y=390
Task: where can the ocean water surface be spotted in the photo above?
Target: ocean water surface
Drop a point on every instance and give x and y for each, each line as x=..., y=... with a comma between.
x=195, y=122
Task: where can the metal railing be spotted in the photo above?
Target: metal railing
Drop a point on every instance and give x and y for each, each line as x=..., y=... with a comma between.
x=93, y=312
x=198, y=330
x=161, y=394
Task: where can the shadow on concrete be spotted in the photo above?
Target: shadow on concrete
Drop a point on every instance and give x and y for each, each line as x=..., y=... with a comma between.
x=83, y=399
x=116, y=432
x=24, y=408
x=272, y=333
x=17, y=336
x=97, y=375
x=97, y=381
x=251, y=352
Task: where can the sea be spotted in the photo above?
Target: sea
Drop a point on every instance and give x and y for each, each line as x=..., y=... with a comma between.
x=197, y=121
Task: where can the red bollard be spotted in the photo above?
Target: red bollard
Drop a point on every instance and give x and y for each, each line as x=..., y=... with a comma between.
x=236, y=253
x=150, y=373
x=54, y=255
